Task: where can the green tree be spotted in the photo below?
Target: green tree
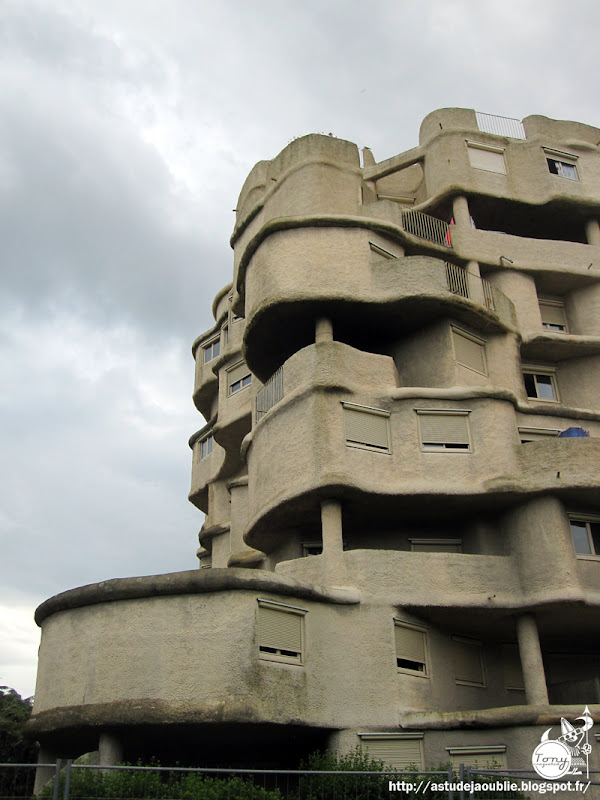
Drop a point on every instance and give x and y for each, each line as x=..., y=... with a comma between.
x=14, y=713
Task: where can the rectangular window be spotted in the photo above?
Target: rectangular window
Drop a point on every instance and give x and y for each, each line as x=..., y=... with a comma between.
x=280, y=632
x=238, y=377
x=436, y=545
x=564, y=169
x=468, y=662
x=206, y=446
x=553, y=316
x=212, y=350
x=483, y=156
x=537, y=434
x=444, y=430
x=366, y=427
x=513, y=672
x=492, y=757
x=540, y=383
x=469, y=351
x=399, y=751
x=586, y=535
x=411, y=648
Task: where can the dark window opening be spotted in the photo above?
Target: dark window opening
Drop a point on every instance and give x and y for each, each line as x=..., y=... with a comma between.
x=416, y=666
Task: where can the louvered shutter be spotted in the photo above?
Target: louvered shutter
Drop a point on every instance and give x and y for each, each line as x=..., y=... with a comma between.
x=491, y=160
x=467, y=662
x=553, y=314
x=366, y=427
x=237, y=373
x=410, y=644
x=513, y=673
x=398, y=753
x=444, y=428
x=479, y=760
x=279, y=629
x=469, y=352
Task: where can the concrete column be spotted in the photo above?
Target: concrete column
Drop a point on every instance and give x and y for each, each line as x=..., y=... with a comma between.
x=475, y=285
x=531, y=660
x=592, y=231
x=44, y=774
x=333, y=540
x=323, y=330
x=460, y=210
x=110, y=748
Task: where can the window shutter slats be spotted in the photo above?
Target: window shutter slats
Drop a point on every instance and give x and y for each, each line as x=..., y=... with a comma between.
x=398, y=753
x=410, y=644
x=467, y=662
x=364, y=427
x=553, y=315
x=487, y=159
x=469, y=353
x=280, y=630
x=444, y=428
x=479, y=760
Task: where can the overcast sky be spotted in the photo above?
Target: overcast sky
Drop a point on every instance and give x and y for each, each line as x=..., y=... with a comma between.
x=127, y=128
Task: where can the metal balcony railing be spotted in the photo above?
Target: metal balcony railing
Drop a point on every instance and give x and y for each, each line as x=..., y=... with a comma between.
x=270, y=394
x=500, y=126
x=458, y=280
x=426, y=227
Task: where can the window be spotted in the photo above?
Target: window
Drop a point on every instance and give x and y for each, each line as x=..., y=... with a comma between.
x=492, y=757
x=586, y=535
x=436, y=545
x=212, y=350
x=553, y=316
x=564, y=169
x=483, y=156
x=469, y=351
x=411, y=648
x=280, y=632
x=206, y=446
x=444, y=430
x=367, y=428
x=537, y=434
x=468, y=662
x=238, y=377
x=513, y=672
x=540, y=383
x=398, y=750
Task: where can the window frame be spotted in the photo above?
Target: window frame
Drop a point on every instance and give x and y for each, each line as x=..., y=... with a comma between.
x=457, y=753
x=550, y=303
x=210, y=345
x=206, y=451
x=456, y=331
x=444, y=447
x=278, y=656
x=375, y=737
x=587, y=519
x=244, y=381
x=419, y=673
x=560, y=159
x=375, y=412
x=548, y=372
x=539, y=434
x=475, y=644
x=490, y=149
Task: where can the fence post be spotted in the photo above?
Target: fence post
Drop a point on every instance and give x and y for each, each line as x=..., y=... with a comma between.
x=56, y=779
x=67, y=778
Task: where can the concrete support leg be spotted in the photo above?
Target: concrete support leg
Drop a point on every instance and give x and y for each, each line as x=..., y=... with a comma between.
x=592, y=231
x=323, y=330
x=333, y=541
x=475, y=284
x=111, y=750
x=531, y=660
x=44, y=774
x=460, y=210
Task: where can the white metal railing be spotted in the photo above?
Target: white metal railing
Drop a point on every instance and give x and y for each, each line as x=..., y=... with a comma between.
x=426, y=227
x=270, y=394
x=457, y=280
x=500, y=126
x=488, y=295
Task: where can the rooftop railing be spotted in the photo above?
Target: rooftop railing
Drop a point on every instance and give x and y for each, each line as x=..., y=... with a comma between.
x=500, y=126
x=426, y=227
x=270, y=394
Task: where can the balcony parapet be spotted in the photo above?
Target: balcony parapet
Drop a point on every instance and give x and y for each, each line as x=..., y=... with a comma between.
x=555, y=347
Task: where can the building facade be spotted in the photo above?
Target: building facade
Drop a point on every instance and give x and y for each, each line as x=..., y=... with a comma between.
x=399, y=469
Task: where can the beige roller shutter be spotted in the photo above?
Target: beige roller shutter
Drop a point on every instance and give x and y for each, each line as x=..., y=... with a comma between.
x=553, y=314
x=513, y=673
x=237, y=373
x=397, y=753
x=279, y=629
x=479, y=760
x=488, y=159
x=468, y=667
x=364, y=426
x=469, y=352
x=410, y=643
x=444, y=428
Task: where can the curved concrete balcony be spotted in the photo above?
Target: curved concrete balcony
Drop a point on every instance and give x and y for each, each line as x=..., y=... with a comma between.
x=569, y=467
x=206, y=379
x=206, y=468
x=555, y=347
x=364, y=301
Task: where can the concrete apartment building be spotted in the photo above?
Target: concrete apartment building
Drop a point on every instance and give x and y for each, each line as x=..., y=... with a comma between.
x=400, y=550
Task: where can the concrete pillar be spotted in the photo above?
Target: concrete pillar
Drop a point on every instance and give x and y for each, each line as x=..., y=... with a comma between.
x=44, y=774
x=531, y=660
x=333, y=540
x=323, y=330
x=592, y=231
x=460, y=210
x=475, y=284
x=110, y=748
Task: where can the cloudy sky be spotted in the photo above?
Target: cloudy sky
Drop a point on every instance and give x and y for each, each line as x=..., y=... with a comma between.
x=127, y=128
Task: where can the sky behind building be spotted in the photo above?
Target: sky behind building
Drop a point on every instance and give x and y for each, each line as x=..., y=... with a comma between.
x=127, y=130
